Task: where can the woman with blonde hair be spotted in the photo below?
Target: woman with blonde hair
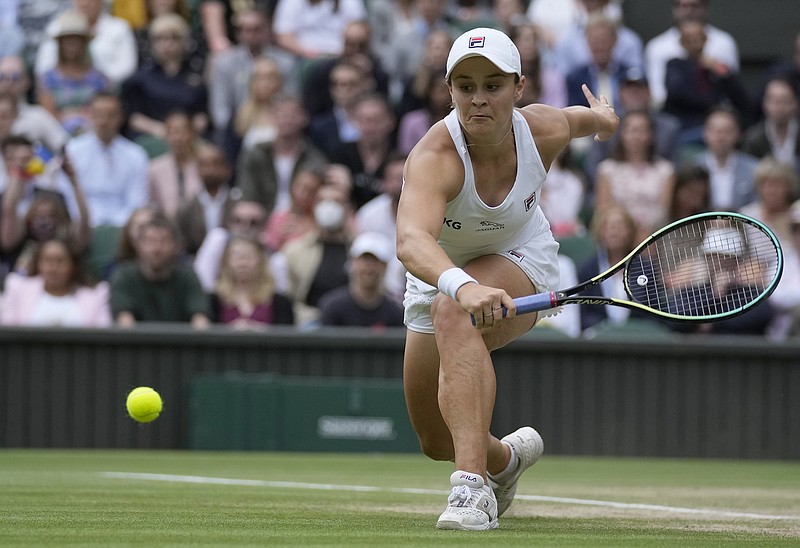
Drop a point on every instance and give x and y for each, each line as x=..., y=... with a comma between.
x=255, y=120
x=245, y=295
x=776, y=189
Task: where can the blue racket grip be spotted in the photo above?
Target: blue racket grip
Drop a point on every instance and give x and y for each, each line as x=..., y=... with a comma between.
x=534, y=303
x=531, y=303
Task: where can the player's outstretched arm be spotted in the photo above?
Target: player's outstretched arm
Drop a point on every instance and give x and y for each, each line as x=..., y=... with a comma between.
x=599, y=119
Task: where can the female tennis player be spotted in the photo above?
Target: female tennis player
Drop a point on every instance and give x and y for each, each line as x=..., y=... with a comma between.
x=472, y=236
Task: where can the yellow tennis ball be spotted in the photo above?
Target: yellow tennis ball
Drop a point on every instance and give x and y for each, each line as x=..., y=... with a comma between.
x=144, y=404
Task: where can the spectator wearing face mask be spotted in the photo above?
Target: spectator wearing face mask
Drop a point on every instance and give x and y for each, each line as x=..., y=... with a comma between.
x=315, y=263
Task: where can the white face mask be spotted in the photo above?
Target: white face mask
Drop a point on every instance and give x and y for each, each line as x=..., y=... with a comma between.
x=329, y=214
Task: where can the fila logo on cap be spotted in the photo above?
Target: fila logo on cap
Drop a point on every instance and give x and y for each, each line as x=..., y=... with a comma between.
x=477, y=41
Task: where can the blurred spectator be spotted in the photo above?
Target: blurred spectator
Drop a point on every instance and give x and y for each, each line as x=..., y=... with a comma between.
x=695, y=83
x=58, y=292
x=33, y=16
x=634, y=94
x=315, y=263
x=66, y=89
x=635, y=176
x=111, y=169
x=562, y=197
x=471, y=14
x=264, y=172
x=731, y=170
x=173, y=175
x=691, y=194
x=208, y=208
x=246, y=219
x=788, y=69
x=131, y=233
x=245, y=295
x=410, y=48
x=357, y=50
x=572, y=51
x=777, y=134
x=380, y=215
x=555, y=18
x=296, y=221
x=113, y=46
x=315, y=28
x=412, y=90
x=219, y=18
x=33, y=121
x=158, y=287
x=335, y=126
x=255, y=120
x=363, y=301
x=509, y=14
x=416, y=123
x=366, y=157
x=786, y=298
x=387, y=19
x=543, y=82
x=615, y=235
x=659, y=50
x=164, y=85
x=32, y=214
x=776, y=190
x=602, y=74
x=707, y=281
x=196, y=47
x=230, y=73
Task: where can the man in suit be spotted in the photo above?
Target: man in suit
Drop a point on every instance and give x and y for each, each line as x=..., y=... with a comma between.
x=730, y=170
x=603, y=74
x=211, y=205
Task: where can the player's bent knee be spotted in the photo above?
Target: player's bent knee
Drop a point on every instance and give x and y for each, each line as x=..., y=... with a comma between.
x=444, y=312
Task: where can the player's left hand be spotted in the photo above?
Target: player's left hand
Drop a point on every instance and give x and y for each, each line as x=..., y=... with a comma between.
x=607, y=119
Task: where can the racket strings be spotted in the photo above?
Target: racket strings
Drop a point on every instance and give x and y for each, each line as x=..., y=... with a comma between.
x=705, y=268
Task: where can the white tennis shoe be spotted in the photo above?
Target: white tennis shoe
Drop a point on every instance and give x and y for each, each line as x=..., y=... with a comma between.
x=471, y=505
x=528, y=447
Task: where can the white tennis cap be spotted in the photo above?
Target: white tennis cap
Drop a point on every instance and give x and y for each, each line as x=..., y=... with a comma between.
x=372, y=243
x=724, y=241
x=496, y=46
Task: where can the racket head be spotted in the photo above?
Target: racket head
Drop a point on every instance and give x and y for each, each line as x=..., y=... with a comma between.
x=704, y=268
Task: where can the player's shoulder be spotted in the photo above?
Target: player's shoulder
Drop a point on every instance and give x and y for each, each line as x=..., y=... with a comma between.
x=548, y=124
x=435, y=151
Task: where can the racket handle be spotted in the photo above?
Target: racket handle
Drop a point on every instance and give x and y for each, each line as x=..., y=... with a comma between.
x=531, y=303
x=534, y=303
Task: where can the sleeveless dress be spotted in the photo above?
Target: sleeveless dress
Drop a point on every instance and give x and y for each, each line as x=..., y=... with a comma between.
x=516, y=228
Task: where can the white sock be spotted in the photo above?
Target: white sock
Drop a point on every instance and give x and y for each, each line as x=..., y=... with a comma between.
x=510, y=468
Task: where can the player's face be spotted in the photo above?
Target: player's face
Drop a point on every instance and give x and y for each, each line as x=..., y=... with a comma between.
x=484, y=96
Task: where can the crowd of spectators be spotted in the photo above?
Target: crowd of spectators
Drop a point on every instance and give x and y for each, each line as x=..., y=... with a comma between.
x=240, y=163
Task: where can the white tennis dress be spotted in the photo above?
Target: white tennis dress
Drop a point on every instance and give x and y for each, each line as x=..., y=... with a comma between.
x=516, y=229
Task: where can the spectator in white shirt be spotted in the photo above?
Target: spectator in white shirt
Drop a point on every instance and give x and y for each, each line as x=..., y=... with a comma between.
x=658, y=51
x=113, y=47
x=112, y=169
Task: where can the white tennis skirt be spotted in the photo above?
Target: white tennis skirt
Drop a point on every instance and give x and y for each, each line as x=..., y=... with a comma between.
x=538, y=258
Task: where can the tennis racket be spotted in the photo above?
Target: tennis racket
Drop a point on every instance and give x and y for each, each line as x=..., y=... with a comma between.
x=703, y=268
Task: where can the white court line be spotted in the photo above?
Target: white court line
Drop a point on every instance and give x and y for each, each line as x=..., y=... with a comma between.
x=373, y=489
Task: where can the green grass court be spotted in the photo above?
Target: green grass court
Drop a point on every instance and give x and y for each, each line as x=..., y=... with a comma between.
x=166, y=498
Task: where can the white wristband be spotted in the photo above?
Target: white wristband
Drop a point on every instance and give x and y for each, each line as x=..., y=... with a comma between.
x=452, y=279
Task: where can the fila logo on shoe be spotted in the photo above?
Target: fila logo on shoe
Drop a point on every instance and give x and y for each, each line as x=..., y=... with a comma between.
x=467, y=477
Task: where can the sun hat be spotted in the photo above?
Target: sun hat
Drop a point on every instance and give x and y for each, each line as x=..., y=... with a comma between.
x=492, y=44
x=72, y=23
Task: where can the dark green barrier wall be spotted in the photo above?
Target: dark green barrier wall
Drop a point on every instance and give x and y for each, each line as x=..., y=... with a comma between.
x=719, y=397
